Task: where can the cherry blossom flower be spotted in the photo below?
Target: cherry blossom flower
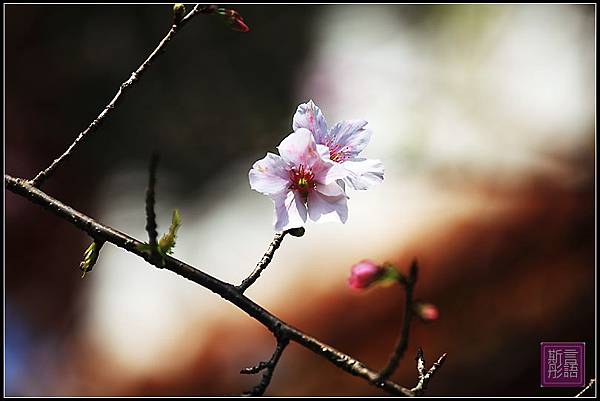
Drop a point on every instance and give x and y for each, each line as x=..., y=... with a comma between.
x=364, y=274
x=345, y=141
x=301, y=181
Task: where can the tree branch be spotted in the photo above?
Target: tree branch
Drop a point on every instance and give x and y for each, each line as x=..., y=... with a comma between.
x=420, y=362
x=409, y=285
x=270, y=365
x=150, y=214
x=263, y=263
x=227, y=291
x=268, y=257
x=424, y=378
x=43, y=175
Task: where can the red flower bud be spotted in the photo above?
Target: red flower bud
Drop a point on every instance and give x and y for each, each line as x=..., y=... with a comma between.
x=427, y=312
x=364, y=273
x=237, y=24
x=234, y=19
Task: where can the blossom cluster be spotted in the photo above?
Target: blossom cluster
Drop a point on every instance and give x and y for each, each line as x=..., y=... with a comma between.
x=309, y=176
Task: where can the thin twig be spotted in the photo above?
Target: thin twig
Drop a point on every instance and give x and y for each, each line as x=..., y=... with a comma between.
x=424, y=379
x=409, y=285
x=420, y=362
x=43, y=175
x=590, y=385
x=227, y=291
x=263, y=263
x=150, y=214
x=268, y=366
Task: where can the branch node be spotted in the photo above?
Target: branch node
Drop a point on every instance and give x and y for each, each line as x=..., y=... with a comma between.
x=268, y=366
x=424, y=379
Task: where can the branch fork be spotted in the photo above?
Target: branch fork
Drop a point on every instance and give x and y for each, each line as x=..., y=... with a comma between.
x=268, y=366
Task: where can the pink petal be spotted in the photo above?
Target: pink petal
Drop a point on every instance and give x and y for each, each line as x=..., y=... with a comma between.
x=290, y=210
x=309, y=116
x=325, y=208
x=269, y=175
x=299, y=148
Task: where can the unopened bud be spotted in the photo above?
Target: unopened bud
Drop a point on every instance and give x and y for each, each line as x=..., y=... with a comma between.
x=178, y=12
x=237, y=24
x=234, y=19
x=364, y=274
x=90, y=256
x=296, y=232
x=426, y=311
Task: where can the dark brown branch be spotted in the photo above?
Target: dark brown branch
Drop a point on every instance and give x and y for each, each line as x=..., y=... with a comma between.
x=263, y=263
x=225, y=290
x=409, y=285
x=128, y=84
x=268, y=366
x=424, y=378
x=150, y=214
x=268, y=257
x=589, y=386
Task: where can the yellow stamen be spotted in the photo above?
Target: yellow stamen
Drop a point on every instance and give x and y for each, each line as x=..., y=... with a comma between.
x=302, y=182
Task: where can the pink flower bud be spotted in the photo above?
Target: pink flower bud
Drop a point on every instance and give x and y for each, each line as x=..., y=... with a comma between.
x=427, y=312
x=364, y=273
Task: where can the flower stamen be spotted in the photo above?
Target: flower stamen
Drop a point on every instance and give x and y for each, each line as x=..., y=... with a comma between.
x=302, y=179
x=337, y=153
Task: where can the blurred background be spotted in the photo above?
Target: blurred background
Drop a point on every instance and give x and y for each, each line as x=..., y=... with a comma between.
x=483, y=115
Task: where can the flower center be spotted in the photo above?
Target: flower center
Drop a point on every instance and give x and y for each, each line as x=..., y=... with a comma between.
x=302, y=179
x=337, y=153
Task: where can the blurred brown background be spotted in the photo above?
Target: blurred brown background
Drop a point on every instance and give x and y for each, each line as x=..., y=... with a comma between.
x=483, y=116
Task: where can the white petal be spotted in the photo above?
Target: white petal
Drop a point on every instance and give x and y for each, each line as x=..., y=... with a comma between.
x=323, y=151
x=290, y=211
x=364, y=173
x=328, y=172
x=299, y=147
x=331, y=190
x=324, y=208
x=350, y=135
x=342, y=185
x=269, y=175
x=309, y=116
